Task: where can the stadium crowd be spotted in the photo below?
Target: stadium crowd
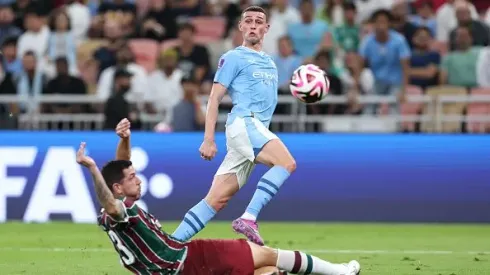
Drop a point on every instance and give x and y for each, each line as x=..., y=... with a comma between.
x=162, y=54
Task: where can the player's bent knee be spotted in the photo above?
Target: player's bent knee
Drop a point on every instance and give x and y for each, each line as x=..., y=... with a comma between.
x=291, y=166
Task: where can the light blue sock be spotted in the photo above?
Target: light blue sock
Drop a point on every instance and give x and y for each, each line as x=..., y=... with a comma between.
x=194, y=221
x=268, y=186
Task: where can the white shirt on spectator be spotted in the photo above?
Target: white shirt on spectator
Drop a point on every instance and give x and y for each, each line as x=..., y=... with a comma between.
x=165, y=91
x=366, y=8
x=139, y=82
x=34, y=41
x=366, y=80
x=80, y=20
x=279, y=23
x=446, y=20
x=483, y=68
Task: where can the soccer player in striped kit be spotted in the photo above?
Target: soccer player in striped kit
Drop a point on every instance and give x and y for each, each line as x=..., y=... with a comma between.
x=145, y=249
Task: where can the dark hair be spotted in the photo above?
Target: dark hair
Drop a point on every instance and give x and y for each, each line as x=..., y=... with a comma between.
x=323, y=53
x=30, y=53
x=54, y=15
x=113, y=171
x=256, y=9
x=62, y=60
x=349, y=6
x=10, y=41
x=32, y=10
x=381, y=12
x=302, y=2
x=187, y=26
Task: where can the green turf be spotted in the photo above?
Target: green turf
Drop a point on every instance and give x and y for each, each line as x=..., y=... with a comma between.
x=382, y=249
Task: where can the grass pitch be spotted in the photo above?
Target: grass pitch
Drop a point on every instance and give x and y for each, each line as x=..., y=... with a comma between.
x=382, y=249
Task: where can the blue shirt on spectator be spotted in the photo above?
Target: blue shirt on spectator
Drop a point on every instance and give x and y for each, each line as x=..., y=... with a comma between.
x=422, y=60
x=384, y=58
x=307, y=38
x=286, y=66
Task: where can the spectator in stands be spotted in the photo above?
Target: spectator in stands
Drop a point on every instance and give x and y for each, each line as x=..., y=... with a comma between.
x=106, y=55
x=347, y=35
x=117, y=107
x=309, y=34
x=79, y=19
x=332, y=12
x=61, y=43
x=32, y=81
x=122, y=12
x=7, y=111
x=64, y=84
x=323, y=60
x=188, y=114
x=159, y=100
x=139, y=81
x=366, y=8
x=425, y=16
x=387, y=53
x=232, y=11
x=20, y=7
x=483, y=68
x=281, y=15
x=424, y=63
x=193, y=58
x=217, y=48
x=7, y=84
x=7, y=29
x=11, y=64
x=446, y=18
x=35, y=38
x=401, y=22
x=160, y=23
x=479, y=31
x=458, y=68
x=357, y=80
x=286, y=62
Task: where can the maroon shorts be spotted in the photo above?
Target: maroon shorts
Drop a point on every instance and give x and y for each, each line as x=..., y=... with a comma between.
x=218, y=257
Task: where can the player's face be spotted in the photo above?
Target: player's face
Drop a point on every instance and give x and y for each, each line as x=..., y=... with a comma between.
x=130, y=186
x=253, y=27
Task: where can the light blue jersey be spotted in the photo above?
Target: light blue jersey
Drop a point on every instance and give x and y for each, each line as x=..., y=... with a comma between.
x=251, y=79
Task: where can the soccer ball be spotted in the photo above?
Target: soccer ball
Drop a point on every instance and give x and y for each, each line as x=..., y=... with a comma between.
x=309, y=83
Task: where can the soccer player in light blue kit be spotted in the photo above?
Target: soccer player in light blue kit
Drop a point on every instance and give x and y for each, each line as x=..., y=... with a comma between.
x=250, y=77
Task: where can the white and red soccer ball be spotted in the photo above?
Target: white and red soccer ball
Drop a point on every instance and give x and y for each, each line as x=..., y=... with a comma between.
x=309, y=83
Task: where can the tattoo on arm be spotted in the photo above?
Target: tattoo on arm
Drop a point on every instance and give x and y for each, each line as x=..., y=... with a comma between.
x=105, y=196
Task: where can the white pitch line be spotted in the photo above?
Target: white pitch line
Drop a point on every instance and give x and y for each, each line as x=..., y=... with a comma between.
x=319, y=251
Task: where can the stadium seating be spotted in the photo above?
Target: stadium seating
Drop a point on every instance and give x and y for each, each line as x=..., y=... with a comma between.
x=146, y=52
x=209, y=26
x=167, y=44
x=411, y=108
x=478, y=109
x=456, y=108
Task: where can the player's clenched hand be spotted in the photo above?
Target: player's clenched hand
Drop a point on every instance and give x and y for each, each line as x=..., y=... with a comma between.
x=83, y=159
x=208, y=149
x=123, y=128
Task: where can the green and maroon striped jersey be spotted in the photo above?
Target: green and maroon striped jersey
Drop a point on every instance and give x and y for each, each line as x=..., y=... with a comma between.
x=140, y=242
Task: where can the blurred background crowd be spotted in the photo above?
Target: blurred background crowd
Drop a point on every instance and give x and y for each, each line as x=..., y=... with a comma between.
x=154, y=60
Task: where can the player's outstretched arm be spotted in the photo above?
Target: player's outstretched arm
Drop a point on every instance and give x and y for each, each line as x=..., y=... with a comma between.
x=123, y=130
x=104, y=195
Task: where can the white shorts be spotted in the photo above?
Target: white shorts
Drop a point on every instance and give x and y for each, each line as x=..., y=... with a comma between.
x=245, y=137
